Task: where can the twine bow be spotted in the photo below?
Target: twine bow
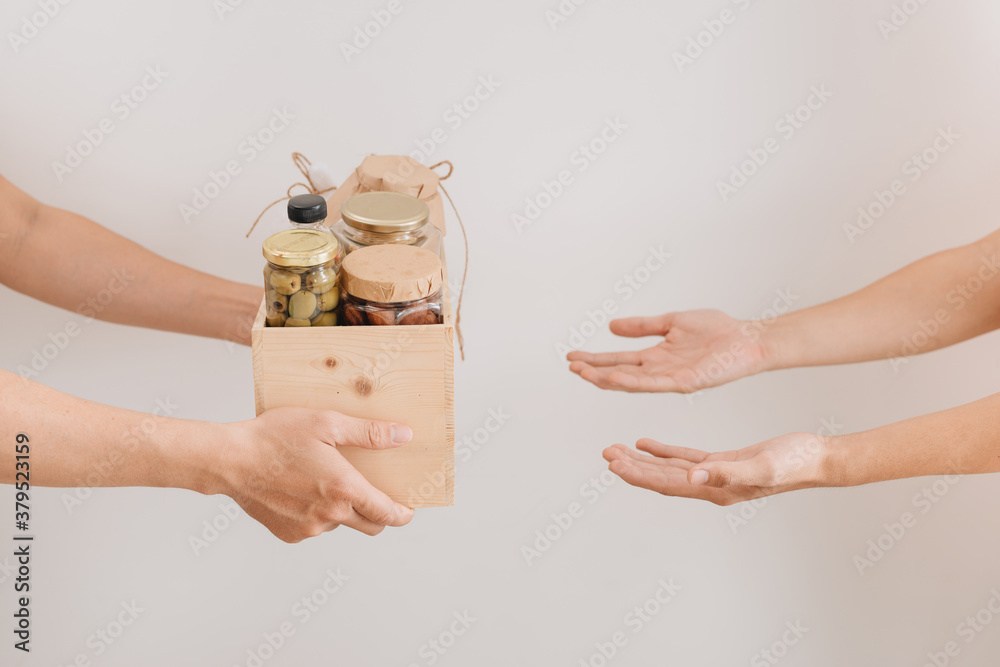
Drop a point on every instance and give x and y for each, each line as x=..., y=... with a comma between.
x=303, y=164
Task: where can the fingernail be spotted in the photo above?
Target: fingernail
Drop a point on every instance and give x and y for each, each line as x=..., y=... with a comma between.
x=699, y=477
x=401, y=434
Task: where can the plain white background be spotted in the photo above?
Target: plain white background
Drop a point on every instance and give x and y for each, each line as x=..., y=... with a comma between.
x=792, y=561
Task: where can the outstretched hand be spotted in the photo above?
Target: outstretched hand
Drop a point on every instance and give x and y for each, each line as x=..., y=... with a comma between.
x=700, y=349
x=787, y=463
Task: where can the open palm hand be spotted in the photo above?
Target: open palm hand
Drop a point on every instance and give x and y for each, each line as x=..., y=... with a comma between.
x=700, y=349
x=787, y=463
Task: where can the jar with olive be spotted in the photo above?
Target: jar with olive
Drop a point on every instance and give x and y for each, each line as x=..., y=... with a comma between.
x=391, y=285
x=377, y=218
x=302, y=278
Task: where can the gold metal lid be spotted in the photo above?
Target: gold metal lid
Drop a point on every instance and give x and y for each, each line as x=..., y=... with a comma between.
x=300, y=248
x=385, y=212
x=391, y=273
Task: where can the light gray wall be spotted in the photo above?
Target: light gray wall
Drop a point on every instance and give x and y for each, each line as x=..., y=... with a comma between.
x=792, y=562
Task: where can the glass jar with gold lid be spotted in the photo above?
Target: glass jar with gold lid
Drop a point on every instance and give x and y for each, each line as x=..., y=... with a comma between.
x=302, y=278
x=377, y=218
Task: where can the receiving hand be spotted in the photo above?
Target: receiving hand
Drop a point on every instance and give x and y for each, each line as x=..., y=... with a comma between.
x=285, y=471
x=790, y=462
x=700, y=349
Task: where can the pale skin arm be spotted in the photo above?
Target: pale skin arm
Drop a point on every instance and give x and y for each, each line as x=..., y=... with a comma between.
x=961, y=441
x=938, y=301
x=895, y=317
x=71, y=262
x=283, y=468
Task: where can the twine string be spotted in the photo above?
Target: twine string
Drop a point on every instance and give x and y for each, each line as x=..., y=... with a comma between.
x=303, y=163
x=465, y=273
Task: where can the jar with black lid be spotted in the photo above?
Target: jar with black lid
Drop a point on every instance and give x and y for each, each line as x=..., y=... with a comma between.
x=308, y=212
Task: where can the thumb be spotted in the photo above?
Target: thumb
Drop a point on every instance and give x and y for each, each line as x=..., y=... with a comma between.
x=722, y=474
x=637, y=327
x=370, y=434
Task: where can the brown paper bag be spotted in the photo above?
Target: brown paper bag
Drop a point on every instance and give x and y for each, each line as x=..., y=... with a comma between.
x=393, y=173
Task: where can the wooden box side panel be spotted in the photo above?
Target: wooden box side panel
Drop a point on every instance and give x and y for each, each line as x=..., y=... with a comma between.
x=405, y=374
x=257, y=348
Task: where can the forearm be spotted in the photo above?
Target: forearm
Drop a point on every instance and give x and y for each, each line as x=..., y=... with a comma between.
x=963, y=440
x=71, y=262
x=74, y=442
x=933, y=303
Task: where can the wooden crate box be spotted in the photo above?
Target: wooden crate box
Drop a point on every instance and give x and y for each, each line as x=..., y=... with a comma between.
x=396, y=373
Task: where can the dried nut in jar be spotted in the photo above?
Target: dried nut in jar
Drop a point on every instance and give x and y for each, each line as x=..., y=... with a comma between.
x=293, y=322
x=285, y=282
x=412, y=316
x=321, y=280
x=354, y=316
x=276, y=303
x=325, y=320
x=382, y=316
x=328, y=300
x=424, y=315
x=276, y=320
x=302, y=305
